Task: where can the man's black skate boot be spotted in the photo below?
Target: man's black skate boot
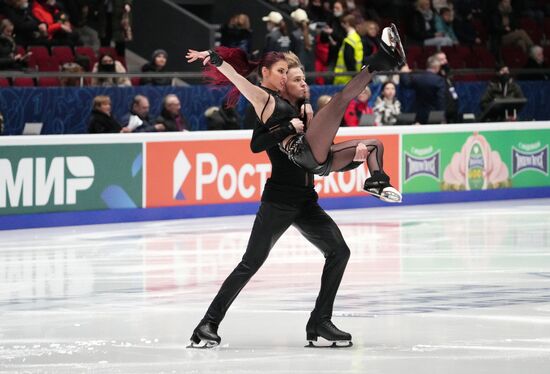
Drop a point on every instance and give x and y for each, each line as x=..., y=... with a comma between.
x=378, y=185
x=331, y=336
x=205, y=335
x=391, y=53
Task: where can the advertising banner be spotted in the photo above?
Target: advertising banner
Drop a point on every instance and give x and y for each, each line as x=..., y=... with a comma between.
x=71, y=177
x=475, y=160
x=226, y=171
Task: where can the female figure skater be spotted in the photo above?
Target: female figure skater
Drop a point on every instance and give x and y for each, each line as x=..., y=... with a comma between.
x=288, y=199
x=307, y=148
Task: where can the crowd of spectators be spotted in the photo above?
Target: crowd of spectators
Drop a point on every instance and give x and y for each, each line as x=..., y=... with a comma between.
x=335, y=36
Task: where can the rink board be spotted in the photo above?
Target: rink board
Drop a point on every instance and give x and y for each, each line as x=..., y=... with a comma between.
x=87, y=179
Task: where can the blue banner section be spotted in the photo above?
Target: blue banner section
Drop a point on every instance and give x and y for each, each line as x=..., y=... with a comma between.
x=67, y=110
x=136, y=215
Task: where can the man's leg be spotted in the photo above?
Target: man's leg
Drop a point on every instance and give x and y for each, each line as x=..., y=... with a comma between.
x=272, y=220
x=318, y=228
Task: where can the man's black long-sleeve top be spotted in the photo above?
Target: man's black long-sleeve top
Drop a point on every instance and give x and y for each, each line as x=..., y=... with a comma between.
x=289, y=183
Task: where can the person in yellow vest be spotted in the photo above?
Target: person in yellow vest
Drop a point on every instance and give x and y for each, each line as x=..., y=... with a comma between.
x=350, y=56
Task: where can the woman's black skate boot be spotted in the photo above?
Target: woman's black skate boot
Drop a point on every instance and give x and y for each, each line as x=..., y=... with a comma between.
x=205, y=335
x=332, y=336
x=391, y=53
x=378, y=185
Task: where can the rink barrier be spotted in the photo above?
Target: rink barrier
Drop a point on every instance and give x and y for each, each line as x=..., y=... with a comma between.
x=65, y=180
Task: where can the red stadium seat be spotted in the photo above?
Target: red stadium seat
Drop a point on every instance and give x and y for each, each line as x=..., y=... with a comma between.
x=532, y=28
x=38, y=53
x=4, y=82
x=89, y=53
x=109, y=50
x=513, y=57
x=63, y=54
x=48, y=64
x=482, y=58
x=135, y=81
x=480, y=29
x=23, y=82
x=49, y=82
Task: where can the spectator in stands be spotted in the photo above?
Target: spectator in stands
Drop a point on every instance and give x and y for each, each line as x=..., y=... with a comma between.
x=350, y=57
x=237, y=33
x=9, y=59
x=422, y=28
x=504, y=27
x=102, y=120
x=444, y=24
x=335, y=33
x=71, y=67
x=278, y=37
x=429, y=88
x=368, y=31
x=138, y=119
x=357, y=107
x=322, y=101
x=28, y=29
x=536, y=61
x=79, y=12
x=108, y=64
x=452, y=114
x=115, y=23
x=503, y=86
x=156, y=65
x=318, y=13
x=171, y=116
x=463, y=25
x=440, y=4
x=60, y=30
x=223, y=117
x=303, y=42
x=387, y=107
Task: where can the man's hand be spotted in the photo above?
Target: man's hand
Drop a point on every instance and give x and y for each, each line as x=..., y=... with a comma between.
x=298, y=125
x=361, y=153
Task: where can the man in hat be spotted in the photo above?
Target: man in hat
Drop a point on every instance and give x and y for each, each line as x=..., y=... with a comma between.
x=277, y=38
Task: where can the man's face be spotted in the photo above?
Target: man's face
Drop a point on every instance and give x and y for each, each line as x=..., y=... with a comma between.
x=173, y=105
x=442, y=57
x=296, y=86
x=142, y=107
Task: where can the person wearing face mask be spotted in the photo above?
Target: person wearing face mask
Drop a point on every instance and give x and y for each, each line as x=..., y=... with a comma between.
x=107, y=64
x=335, y=34
x=502, y=86
x=451, y=97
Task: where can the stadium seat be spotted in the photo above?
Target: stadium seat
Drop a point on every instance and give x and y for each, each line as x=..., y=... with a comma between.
x=48, y=64
x=4, y=82
x=481, y=58
x=23, y=82
x=513, y=57
x=135, y=81
x=532, y=28
x=38, y=53
x=89, y=53
x=63, y=54
x=49, y=82
x=480, y=29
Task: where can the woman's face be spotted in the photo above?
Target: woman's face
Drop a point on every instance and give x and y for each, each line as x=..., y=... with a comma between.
x=275, y=77
x=364, y=96
x=296, y=86
x=389, y=92
x=160, y=60
x=107, y=60
x=105, y=107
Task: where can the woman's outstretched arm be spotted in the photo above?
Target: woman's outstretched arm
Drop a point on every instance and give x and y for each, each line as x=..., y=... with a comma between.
x=254, y=94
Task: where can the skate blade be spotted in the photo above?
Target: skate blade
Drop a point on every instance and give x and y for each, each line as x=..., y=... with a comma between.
x=398, y=44
x=329, y=344
x=391, y=195
x=387, y=195
x=203, y=344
